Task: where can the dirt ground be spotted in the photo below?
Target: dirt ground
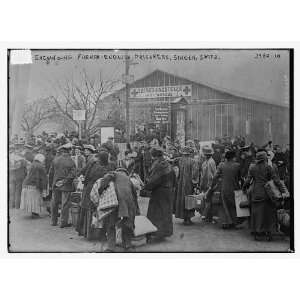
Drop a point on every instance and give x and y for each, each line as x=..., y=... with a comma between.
x=36, y=235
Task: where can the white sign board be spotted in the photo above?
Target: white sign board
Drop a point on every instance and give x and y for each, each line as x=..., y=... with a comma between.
x=239, y=197
x=106, y=132
x=78, y=115
x=162, y=91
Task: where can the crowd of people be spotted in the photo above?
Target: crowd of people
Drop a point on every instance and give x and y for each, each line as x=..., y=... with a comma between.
x=53, y=169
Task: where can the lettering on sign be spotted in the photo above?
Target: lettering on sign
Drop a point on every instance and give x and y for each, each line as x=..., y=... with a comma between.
x=161, y=114
x=161, y=91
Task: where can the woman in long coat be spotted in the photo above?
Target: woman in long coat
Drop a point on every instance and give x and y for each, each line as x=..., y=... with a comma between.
x=229, y=172
x=188, y=175
x=96, y=169
x=34, y=187
x=263, y=211
x=161, y=184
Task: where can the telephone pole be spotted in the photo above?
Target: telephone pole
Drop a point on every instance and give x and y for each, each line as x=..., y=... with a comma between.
x=127, y=96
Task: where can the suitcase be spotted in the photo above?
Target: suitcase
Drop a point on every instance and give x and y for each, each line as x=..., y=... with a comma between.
x=194, y=201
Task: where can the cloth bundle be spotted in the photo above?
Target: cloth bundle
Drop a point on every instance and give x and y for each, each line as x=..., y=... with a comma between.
x=105, y=203
x=274, y=192
x=108, y=199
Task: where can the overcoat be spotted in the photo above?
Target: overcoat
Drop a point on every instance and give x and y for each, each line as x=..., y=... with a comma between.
x=63, y=168
x=161, y=182
x=229, y=172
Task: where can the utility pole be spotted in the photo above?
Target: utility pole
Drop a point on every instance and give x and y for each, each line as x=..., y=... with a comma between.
x=127, y=96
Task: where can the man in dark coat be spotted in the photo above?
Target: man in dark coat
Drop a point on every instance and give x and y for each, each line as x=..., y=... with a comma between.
x=188, y=176
x=229, y=172
x=62, y=174
x=49, y=156
x=245, y=160
x=217, y=155
x=95, y=169
x=161, y=183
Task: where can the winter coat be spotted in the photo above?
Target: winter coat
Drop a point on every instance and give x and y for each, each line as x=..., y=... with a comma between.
x=261, y=173
x=229, y=172
x=63, y=168
x=93, y=172
x=161, y=184
x=36, y=176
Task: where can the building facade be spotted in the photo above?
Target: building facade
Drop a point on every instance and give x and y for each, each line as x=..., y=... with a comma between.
x=185, y=109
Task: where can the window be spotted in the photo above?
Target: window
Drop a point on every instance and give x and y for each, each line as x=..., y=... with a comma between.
x=223, y=120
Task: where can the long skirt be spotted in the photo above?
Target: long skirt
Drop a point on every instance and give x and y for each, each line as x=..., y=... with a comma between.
x=160, y=211
x=31, y=200
x=263, y=216
x=228, y=212
x=84, y=225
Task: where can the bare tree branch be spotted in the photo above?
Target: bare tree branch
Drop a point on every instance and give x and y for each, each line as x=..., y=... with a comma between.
x=86, y=94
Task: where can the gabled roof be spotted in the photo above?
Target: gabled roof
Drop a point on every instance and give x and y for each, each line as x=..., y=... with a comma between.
x=208, y=85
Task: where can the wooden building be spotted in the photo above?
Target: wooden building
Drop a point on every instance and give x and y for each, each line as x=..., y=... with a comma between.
x=186, y=109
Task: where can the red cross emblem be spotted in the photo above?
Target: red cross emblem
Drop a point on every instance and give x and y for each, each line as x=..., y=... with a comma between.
x=134, y=93
x=186, y=90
